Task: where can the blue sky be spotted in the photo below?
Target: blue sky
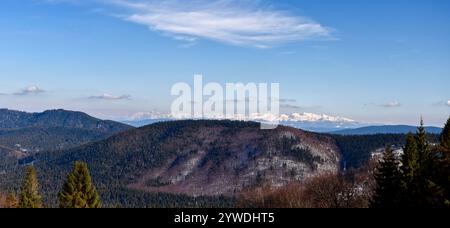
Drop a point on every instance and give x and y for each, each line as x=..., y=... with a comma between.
x=374, y=61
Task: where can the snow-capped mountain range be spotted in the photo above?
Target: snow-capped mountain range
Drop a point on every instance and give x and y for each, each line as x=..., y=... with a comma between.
x=306, y=121
x=319, y=122
x=311, y=117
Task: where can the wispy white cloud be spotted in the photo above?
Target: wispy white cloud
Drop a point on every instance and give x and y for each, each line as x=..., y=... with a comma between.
x=110, y=97
x=30, y=90
x=392, y=104
x=448, y=103
x=245, y=23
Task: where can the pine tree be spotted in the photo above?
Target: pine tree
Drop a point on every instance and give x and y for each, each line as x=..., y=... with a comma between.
x=410, y=169
x=421, y=141
x=429, y=192
x=387, y=179
x=29, y=196
x=410, y=159
x=78, y=191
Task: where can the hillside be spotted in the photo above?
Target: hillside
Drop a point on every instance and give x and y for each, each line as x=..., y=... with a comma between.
x=11, y=120
x=386, y=129
x=52, y=130
x=193, y=158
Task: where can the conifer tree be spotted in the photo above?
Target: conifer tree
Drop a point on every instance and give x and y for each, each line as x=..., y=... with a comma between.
x=29, y=196
x=410, y=159
x=422, y=144
x=410, y=170
x=424, y=176
x=78, y=190
x=429, y=192
x=387, y=178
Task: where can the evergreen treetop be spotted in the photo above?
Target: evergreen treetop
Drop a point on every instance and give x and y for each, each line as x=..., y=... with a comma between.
x=387, y=178
x=29, y=196
x=78, y=191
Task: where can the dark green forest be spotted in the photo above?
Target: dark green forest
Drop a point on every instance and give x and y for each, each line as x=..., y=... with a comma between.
x=120, y=160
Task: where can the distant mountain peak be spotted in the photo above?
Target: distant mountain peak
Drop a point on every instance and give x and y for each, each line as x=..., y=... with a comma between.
x=312, y=117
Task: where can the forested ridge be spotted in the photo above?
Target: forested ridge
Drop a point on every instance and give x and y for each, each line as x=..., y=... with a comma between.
x=24, y=134
x=124, y=158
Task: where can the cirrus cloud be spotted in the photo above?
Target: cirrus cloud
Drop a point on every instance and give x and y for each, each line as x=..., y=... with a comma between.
x=244, y=23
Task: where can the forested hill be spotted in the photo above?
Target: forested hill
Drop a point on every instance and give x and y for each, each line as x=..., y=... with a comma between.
x=52, y=130
x=209, y=158
x=12, y=120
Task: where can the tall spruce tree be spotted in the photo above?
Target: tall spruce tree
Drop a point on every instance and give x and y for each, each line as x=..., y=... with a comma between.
x=429, y=192
x=388, y=184
x=78, y=191
x=421, y=141
x=29, y=196
x=424, y=176
x=410, y=169
x=410, y=159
